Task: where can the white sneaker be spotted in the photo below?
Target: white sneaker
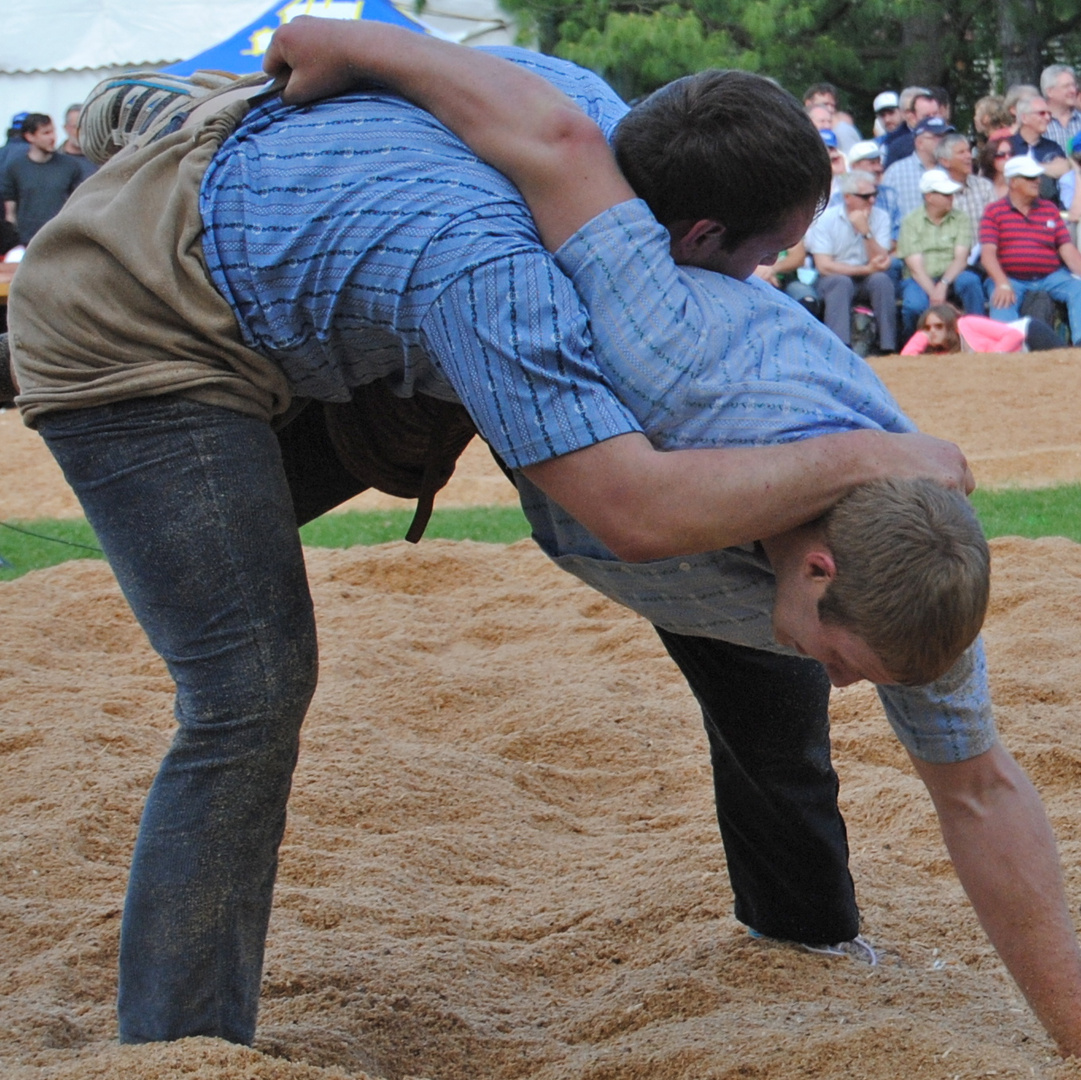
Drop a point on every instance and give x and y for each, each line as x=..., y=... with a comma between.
x=859, y=948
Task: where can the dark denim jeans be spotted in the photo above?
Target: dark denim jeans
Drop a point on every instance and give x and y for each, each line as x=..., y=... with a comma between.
x=191, y=506
x=766, y=717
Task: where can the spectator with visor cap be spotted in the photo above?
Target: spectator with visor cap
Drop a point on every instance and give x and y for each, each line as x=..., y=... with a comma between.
x=867, y=155
x=935, y=243
x=850, y=245
x=16, y=145
x=1025, y=246
x=904, y=175
x=916, y=103
x=1033, y=117
x=887, y=109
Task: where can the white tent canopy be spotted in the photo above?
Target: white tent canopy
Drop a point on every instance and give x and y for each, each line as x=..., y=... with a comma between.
x=53, y=52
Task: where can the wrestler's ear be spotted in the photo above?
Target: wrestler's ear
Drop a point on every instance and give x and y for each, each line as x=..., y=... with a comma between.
x=818, y=565
x=694, y=241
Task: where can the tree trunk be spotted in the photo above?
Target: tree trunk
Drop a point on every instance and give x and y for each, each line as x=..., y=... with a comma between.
x=1019, y=42
x=922, y=41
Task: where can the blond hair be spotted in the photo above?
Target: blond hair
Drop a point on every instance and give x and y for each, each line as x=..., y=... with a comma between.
x=913, y=574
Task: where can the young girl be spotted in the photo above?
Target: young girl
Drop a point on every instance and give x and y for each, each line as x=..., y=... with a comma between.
x=943, y=329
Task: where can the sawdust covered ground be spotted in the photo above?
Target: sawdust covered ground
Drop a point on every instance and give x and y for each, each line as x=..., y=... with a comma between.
x=501, y=860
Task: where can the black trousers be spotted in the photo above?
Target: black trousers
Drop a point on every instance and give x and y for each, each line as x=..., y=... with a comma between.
x=766, y=717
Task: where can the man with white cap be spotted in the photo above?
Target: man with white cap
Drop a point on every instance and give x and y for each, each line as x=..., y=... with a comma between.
x=1024, y=246
x=867, y=155
x=887, y=107
x=934, y=243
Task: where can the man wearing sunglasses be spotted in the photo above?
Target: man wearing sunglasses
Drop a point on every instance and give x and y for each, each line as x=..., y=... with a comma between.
x=850, y=244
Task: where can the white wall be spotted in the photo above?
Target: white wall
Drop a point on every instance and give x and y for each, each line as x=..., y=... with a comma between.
x=47, y=92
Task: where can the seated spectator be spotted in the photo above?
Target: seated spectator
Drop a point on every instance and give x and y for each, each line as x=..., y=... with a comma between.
x=942, y=100
x=943, y=329
x=71, y=145
x=34, y=187
x=825, y=94
x=887, y=114
x=1015, y=93
x=1032, y=119
x=954, y=155
x=935, y=243
x=1025, y=246
x=867, y=155
x=904, y=176
x=992, y=163
x=988, y=114
x=916, y=104
x=791, y=274
x=838, y=163
x=1058, y=84
x=850, y=245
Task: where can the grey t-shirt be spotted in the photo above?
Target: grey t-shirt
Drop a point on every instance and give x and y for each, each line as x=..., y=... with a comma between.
x=39, y=189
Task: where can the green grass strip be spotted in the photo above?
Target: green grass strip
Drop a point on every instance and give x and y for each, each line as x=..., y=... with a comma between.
x=1032, y=513
x=1054, y=511
x=492, y=524
x=32, y=545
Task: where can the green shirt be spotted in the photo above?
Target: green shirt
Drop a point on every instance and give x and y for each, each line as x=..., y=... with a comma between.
x=936, y=243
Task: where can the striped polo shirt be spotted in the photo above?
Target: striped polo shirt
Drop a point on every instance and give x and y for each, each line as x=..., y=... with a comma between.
x=1026, y=244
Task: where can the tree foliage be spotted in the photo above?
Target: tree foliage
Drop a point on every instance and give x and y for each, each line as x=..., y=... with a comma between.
x=971, y=47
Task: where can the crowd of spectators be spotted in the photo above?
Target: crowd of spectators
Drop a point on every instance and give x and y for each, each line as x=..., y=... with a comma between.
x=923, y=216
x=36, y=176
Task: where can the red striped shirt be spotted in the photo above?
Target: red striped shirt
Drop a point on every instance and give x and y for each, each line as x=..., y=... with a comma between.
x=1026, y=245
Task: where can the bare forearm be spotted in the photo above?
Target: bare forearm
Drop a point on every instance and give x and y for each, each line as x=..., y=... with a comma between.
x=646, y=504
x=1056, y=167
x=827, y=264
x=1071, y=257
x=989, y=258
x=957, y=267
x=919, y=273
x=1004, y=852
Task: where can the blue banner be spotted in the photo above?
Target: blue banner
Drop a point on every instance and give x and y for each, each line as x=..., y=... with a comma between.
x=243, y=52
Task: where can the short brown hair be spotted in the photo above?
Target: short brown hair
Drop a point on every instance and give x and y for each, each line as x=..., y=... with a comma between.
x=913, y=574
x=725, y=146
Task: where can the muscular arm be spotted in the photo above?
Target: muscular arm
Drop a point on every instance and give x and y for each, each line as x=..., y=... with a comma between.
x=1004, y=852
x=642, y=503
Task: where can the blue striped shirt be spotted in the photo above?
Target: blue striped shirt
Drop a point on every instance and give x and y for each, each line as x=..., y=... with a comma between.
x=357, y=238
x=706, y=361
